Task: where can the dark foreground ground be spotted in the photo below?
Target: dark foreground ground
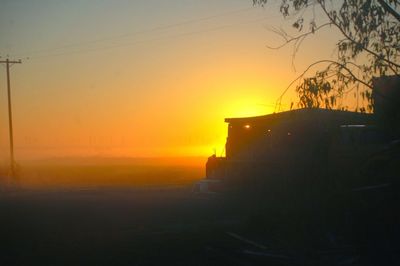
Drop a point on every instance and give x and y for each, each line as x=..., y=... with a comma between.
x=164, y=226
x=118, y=227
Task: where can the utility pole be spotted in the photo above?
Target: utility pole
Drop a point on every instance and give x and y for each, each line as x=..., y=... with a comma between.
x=9, y=63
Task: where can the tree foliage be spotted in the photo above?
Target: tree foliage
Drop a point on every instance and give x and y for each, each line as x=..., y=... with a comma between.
x=369, y=46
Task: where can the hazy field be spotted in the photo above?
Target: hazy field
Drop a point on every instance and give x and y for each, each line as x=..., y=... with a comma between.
x=121, y=211
x=110, y=172
x=102, y=211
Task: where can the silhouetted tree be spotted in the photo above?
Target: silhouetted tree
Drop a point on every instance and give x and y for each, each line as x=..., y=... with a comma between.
x=369, y=46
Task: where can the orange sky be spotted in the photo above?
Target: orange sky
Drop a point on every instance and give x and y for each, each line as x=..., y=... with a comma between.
x=120, y=78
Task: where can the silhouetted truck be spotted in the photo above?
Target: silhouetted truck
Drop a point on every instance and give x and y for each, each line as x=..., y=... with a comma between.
x=308, y=150
x=323, y=172
x=286, y=148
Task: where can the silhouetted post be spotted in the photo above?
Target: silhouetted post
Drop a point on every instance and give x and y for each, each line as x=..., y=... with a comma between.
x=10, y=124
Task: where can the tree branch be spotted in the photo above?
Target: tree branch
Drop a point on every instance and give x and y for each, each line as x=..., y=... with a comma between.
x=331, y=62
x=351, y=39
x=292, y=39
x=389, y=9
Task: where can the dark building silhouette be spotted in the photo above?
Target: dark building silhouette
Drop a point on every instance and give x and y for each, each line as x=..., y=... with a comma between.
x=309, y=148
x=386, y=101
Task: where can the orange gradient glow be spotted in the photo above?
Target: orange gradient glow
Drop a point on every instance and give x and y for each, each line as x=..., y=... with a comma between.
x=158, y=93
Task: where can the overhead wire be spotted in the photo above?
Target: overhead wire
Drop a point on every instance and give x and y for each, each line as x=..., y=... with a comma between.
x=125, y=35
x=138, y=42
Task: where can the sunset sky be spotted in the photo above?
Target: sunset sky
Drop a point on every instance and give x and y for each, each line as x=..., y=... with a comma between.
x=141, y=78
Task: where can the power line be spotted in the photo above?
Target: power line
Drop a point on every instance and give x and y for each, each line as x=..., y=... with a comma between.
x=8, y=64
x=146, y=41
x=158, y=28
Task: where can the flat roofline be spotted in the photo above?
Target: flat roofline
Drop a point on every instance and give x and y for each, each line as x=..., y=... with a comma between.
x=296, y=111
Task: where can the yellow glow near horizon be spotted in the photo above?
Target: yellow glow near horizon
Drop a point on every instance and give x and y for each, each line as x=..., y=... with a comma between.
x=242, y=109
